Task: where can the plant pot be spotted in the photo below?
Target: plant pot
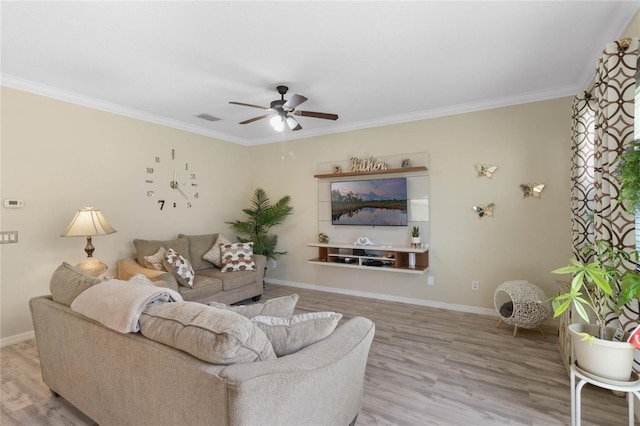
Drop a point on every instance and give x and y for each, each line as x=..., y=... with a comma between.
x=415, y=241
x=604, y=358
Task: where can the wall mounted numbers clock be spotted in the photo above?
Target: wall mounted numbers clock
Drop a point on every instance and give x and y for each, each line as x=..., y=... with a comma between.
x=171, y=183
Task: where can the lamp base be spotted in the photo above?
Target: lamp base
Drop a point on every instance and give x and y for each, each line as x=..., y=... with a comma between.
x=92, y=266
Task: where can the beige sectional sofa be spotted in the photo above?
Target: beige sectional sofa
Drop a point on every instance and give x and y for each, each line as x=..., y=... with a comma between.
x=125, y=378
x=211, y=284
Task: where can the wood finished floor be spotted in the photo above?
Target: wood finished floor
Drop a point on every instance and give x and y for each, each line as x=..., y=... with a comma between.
x=426, y=367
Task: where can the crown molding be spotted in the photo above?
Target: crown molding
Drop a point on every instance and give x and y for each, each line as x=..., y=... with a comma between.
x=75, y=98
x=523, y=98
x=78, y=99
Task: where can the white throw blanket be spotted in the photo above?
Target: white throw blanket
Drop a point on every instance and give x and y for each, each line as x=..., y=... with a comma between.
x=118, y=304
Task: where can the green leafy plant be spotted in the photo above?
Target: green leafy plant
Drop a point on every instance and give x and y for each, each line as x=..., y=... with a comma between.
x=261, y=217
x=415, y=232
x=628, y=174
x=596, y=282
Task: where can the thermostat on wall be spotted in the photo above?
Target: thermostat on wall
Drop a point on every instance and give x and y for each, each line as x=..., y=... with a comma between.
x=12, y=203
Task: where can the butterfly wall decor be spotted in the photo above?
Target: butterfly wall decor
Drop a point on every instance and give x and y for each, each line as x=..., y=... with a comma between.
x=484, y=210
x=532, y=190
x=486, y=170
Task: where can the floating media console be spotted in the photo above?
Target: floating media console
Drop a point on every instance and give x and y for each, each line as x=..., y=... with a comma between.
x=391, y=258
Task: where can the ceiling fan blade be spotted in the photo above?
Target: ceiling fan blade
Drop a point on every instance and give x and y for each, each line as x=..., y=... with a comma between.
x=293, y=123
x=314, y=114
x=293, y=102
x=249, y=105
x=251, y=120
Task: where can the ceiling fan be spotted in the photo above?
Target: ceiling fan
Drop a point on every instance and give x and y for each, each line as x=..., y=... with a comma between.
x=282, y=111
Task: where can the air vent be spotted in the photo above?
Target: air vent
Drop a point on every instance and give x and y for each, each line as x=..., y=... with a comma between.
x=207, y=117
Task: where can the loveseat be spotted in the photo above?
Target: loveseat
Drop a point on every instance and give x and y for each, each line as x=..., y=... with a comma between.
x=122, y=379
x=210, y=283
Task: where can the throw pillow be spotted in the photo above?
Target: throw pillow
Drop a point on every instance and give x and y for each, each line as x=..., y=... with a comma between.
x=290, y=335
x=181, y=268
x=154, y=261
x=67, y=282
x=213, y=254
x=237, y=257
x=281, y=307
x=210, y=334
x=149, y=247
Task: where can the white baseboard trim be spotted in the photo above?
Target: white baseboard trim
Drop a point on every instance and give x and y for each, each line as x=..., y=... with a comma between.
x=17, y=338
x=388, y=297
x=391, y=298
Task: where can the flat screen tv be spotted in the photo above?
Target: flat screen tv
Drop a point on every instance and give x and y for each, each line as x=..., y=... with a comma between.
x=372, y=202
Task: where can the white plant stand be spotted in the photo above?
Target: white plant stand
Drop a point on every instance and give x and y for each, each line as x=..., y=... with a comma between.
x=631, y=389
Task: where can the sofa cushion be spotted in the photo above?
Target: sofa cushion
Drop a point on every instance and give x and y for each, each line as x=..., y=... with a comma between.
x=198, y=247
x=180, y=266
x=289, y=335
x=150, y=247
x=156, y=260
x=212, y=335
x=230, y=280
x=67, y=282
x=237, y=257
x=213, y=254
x=281, y=307
x=203, y=287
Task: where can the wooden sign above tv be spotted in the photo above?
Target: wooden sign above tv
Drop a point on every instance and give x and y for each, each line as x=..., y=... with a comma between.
x=367, y=164
x=372, y=172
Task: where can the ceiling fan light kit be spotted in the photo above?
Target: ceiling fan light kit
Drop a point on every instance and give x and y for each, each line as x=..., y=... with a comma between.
x=281, y=111
x=276, y=123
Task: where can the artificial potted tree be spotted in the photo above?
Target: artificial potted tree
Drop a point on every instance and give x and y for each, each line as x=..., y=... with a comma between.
x=596, y=288
x=603, y=283
x=261, y=217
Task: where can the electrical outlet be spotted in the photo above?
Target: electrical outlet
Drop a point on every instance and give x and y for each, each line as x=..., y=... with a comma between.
x=430, y=280
x=274, y=265
x=475, y=285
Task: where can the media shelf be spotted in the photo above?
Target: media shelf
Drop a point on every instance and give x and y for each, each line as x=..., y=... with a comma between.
x=388, y=258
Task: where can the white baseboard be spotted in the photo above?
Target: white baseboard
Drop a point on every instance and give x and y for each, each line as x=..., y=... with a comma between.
x=388, y=297
x=17, y=338
x=391, y=298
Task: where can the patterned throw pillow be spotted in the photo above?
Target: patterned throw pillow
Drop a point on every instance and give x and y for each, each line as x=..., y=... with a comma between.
x=181, y=268
x=155, y=260
x=237, y=257
x=213, y=255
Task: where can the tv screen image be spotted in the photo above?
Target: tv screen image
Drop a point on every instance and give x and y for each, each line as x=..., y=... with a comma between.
x=373, y=202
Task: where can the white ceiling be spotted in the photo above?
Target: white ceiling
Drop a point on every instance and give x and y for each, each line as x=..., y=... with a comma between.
x=372, y=63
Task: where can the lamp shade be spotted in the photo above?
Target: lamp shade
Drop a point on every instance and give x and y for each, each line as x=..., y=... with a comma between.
x=88, y=222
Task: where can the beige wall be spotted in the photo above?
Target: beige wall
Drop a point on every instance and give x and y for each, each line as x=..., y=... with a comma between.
x=59, y=157
x=633, y=29
x=526, y=239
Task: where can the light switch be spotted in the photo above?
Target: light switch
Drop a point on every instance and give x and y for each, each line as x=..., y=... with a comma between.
x=8, y=237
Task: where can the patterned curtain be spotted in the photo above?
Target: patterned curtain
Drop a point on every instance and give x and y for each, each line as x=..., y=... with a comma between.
x=582, y=178
x=603, y=123
x=614, y=93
